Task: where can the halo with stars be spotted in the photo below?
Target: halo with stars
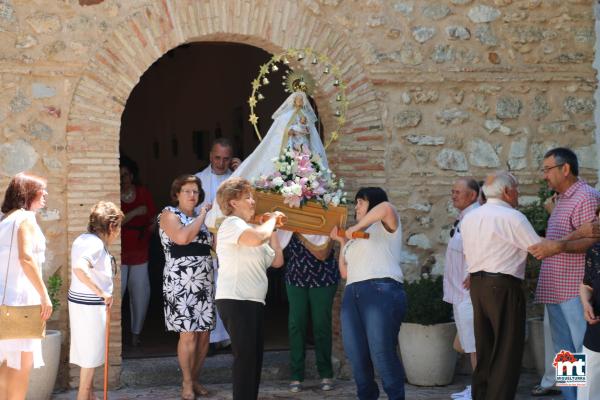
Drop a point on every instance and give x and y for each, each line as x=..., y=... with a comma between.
x=300, y=79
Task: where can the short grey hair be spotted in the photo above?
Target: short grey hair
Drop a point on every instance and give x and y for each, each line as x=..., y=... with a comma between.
x=496, y=183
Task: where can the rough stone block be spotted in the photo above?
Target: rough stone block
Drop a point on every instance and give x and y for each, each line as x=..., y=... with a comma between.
x=436, y=12
x=483, y=13
x=407, y=118
x=17, y=156
x=508, y=107
x=454, y=160
x=423, y=33
x=482, y=154
x=419, y=240
x=456, y=32
x=41, y=90
x=452, y=116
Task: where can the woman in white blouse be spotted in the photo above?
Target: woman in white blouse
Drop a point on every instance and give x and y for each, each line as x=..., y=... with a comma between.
x=374, y=301
x=22, y=246
x=244, y=252
x=90, y=293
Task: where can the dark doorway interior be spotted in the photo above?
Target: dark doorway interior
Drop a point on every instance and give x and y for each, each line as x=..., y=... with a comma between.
x=187, y=98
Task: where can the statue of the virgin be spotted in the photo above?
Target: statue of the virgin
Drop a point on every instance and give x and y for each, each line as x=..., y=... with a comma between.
x=293, y=126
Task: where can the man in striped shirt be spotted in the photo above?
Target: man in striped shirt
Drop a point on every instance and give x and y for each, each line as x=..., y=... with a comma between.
x=562, y=273
x=465, y=193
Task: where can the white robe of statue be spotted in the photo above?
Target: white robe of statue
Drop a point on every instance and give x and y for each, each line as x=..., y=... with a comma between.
x=260, y=162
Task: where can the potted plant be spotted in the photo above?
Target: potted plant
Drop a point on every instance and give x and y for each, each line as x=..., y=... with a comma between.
x=42, y=380
x=427, y=335
x=537, y=215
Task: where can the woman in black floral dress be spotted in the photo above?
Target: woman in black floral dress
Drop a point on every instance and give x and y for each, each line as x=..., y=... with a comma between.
x=188, y=279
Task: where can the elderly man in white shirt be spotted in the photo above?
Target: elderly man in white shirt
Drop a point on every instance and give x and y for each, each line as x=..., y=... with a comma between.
x=222, y=164
x=465, y=194
x=495, y=241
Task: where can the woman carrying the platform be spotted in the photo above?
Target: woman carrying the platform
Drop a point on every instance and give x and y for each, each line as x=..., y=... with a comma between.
x=374, y=301
x=245, y=252
x=91, y=292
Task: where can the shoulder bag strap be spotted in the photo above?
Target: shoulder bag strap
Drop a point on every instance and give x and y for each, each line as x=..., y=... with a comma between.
x=12, y=235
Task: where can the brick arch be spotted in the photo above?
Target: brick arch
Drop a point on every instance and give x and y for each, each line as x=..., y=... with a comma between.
x=129, y=50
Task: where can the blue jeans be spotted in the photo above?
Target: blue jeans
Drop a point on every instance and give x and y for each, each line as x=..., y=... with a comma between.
x=568, y=328
x=372, y=312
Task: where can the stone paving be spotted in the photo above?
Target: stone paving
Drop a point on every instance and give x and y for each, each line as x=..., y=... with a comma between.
x=277, y=390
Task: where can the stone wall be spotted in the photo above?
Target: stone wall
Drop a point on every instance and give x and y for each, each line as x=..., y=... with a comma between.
x=437, y=89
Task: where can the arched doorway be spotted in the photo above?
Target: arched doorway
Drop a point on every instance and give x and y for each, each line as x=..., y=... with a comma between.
x=192, y=95
x=128, y=50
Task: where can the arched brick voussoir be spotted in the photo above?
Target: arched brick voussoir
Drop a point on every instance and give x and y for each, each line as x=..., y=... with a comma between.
x=148, y=33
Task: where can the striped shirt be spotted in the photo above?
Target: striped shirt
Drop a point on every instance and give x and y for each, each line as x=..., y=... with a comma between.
x=90, y=249
x=562, y=273
x=455, y=271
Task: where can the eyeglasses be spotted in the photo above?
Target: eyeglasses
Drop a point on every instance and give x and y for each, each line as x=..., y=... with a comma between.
x=455, y=228
x=190, y=192
x=545, y=170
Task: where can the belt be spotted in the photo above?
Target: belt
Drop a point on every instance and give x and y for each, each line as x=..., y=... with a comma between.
x=485, y=274
x=193, y=249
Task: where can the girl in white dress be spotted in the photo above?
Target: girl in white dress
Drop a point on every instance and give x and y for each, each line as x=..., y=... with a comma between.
x=22, y=247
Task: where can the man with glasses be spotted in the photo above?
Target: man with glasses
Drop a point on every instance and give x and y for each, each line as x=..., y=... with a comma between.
x=562, y=272
x=465, y=194
x=222, y=164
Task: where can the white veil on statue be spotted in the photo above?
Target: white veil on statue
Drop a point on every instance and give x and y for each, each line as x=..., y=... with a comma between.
x=260, y=162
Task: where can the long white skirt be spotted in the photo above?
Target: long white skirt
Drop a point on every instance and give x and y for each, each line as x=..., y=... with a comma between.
x=88, y=326
x=10, y=351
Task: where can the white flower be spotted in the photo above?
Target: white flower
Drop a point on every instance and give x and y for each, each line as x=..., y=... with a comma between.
x=277, y=181
x=327, y=198
x=335, y=201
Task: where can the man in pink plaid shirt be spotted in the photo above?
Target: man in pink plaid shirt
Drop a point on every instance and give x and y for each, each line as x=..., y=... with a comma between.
x=562, y=273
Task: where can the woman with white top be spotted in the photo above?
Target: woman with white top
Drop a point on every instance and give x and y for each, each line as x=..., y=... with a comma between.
x=374, y=301
x=244, y=252
x=22, y=247
x=90, y=293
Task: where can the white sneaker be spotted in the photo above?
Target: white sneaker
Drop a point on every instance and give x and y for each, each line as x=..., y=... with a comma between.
x=326, y=384
x=295, y=386
x=464, y=395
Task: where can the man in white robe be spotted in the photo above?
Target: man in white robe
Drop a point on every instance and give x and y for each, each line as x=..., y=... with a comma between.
x=222, y=164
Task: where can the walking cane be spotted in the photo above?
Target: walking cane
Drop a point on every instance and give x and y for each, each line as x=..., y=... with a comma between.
x=107, y=337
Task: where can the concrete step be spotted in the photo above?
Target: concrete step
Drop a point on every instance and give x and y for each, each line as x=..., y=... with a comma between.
x=143, y=372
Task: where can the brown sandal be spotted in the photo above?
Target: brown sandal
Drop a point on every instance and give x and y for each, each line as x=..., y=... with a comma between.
x=200, y=390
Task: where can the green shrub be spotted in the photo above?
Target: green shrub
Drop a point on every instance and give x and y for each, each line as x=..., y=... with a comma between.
x=425, y=304
x=53, y=286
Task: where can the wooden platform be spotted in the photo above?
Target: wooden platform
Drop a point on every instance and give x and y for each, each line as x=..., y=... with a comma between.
x=311, y=218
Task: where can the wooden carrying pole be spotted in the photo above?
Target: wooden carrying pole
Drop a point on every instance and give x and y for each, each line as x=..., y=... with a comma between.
x=355, y=235
x=107, y=339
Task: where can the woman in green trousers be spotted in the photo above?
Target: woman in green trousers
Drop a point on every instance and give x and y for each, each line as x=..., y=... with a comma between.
x=311, y=278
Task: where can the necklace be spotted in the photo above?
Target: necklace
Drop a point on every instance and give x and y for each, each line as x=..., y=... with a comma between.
x=128, y=196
